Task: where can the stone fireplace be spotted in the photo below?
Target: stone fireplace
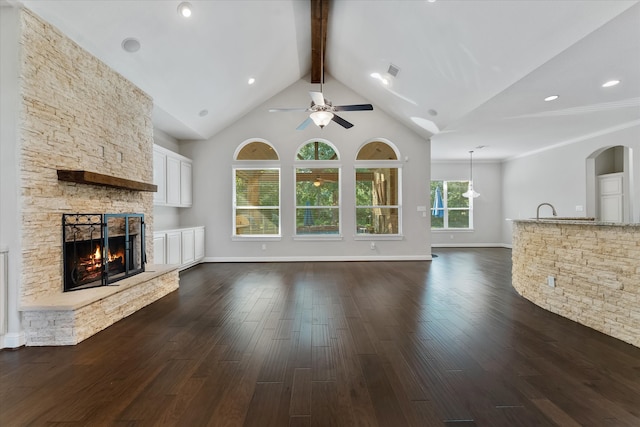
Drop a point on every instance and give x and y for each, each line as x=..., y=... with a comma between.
x=81, y=119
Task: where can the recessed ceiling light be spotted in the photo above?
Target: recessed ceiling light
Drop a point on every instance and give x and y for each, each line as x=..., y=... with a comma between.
x=551, y=98
x=131, y=45
x=377, y=76
x=251, y=80
x=611, y=83
x=203, y=113
x=184, y=9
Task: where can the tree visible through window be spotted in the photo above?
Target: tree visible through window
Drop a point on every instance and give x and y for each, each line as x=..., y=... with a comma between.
x=377, y=190
x=256, y=197
x=449, y=208
x=317, y=190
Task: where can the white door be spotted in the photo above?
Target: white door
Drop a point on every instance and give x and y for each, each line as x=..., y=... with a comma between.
x=611, y=197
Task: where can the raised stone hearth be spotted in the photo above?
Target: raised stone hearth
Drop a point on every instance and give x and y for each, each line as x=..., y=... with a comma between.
x=68, y=318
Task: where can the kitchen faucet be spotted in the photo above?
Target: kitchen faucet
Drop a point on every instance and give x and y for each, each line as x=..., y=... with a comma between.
x=548, y=204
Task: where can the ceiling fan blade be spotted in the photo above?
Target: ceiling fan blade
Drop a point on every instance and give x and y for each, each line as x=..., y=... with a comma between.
x=286, y=110
x=304, y=124
x=317, y=98
x=342, y=122
x=355, y=107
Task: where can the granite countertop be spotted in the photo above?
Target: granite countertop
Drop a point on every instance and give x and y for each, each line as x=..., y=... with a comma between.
x=575, y=221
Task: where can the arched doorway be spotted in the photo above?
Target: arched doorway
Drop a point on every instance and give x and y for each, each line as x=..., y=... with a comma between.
x=610, y=184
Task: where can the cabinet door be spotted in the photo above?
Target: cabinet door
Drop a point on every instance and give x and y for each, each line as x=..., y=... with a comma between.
x=160, y=177
x=188, y=246
x=159, y=248
x=174, y=250
x=173, y=181
x=199, y=243
x=185, y=184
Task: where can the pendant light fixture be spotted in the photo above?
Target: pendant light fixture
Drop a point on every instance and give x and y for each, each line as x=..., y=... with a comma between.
x=471, y=193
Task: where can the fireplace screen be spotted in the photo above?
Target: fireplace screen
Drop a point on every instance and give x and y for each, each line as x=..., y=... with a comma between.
x=100, y=249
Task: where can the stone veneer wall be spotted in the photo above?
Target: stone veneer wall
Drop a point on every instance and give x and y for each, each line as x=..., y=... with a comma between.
x=597, y=271
x=78, y=114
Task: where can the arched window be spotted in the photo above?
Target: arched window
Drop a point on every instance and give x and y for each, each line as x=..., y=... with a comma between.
x=317, y=176
x=378, y=173
x=256, y=150
x=256, y=196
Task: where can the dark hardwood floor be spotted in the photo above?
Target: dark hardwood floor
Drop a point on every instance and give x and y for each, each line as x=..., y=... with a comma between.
x=441, y=343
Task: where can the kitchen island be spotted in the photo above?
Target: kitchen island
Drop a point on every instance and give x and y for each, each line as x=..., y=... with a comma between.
x=584, y=270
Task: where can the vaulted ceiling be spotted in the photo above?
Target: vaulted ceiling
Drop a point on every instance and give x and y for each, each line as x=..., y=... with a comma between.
x=469, y=73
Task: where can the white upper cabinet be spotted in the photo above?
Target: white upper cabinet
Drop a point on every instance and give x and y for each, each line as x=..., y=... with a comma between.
x=172, y=175
x=185, y=183
x=159, y=177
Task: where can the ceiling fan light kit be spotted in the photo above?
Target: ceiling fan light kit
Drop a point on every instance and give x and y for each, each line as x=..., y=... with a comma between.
x=321, y=118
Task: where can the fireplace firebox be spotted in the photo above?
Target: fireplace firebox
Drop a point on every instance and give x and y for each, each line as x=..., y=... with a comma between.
x=100, y=249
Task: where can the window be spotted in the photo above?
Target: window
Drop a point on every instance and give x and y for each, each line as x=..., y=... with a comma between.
x=377, y=190
x=317, y=190
x=449, y=208
x=256, y=195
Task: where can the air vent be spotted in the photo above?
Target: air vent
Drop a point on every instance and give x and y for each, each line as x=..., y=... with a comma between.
x=393, y=70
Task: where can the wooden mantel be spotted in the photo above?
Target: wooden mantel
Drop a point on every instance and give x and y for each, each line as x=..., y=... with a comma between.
x=93, y=178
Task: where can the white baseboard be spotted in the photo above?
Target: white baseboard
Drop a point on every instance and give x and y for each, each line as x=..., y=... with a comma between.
x=320, y=258
x=13, y=340
x=470, y=245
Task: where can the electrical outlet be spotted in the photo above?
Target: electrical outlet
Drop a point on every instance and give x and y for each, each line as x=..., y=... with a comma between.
x=373, y=245
x=264, y=246
x=551, y=281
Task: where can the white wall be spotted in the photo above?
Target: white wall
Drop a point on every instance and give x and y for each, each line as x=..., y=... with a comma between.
x=487, y=209
x=559, y=176
x=9, y=150
x=213, y=184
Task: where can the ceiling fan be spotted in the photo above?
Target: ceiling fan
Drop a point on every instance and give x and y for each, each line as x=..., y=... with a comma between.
x=321, y=109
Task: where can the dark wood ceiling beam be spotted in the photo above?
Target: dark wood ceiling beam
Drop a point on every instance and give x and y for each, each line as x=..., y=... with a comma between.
x=319, y=17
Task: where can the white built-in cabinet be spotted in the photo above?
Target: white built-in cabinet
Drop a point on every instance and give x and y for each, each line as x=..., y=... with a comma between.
x=172, y=173
x=174, y=247
x=159, y=248
x=182, y=246
x=160, y=177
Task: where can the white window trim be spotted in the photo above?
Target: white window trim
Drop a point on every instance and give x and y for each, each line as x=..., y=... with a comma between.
x=318, y=164
x=234, y=207
x=447, y=209
x=386, y=164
